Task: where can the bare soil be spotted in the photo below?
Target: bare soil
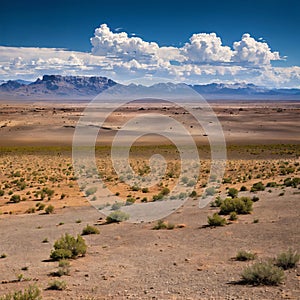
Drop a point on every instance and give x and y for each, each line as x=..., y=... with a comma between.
x=133, y=261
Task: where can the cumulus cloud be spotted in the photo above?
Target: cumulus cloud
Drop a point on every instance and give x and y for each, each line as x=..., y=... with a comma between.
x=250, y=51
x=119, y=45
x=206, y=48
x=126, y=58
x=202, y=48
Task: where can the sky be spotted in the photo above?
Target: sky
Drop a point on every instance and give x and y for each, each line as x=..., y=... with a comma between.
x=151, y=41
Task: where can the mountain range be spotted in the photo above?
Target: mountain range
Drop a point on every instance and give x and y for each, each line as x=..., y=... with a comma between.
x=81, y=87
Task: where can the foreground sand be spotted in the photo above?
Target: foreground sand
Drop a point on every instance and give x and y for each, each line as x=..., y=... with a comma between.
x=127, y=261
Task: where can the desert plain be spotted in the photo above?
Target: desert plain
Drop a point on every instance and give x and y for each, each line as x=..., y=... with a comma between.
x=186, y=260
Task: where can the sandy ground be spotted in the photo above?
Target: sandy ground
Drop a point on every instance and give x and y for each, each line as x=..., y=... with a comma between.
x=54, y=124
x=132, y=261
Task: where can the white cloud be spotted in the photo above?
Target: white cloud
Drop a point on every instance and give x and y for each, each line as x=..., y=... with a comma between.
x=250, y=51
x=206, y=48
x=119, y=45
x=126, y=58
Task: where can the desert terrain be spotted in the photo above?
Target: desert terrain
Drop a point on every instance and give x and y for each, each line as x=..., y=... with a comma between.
x=186, y=260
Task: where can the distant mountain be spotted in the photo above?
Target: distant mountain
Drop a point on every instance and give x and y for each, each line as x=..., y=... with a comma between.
x=11, y=86
x=23, y=81
x=244, y=91
x=81, y=87
x=56, y=86
x=167, y=91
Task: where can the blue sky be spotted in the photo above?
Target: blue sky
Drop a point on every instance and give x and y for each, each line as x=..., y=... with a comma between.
x=70, y=25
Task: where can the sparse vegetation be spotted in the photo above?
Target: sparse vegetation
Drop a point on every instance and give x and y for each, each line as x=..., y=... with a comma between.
x=242, y=205
x=57, y=285
x=68, y=247
x=63, y=268
x=90, y=191
x=161, y=224
x=117, y=216
x=259, y=186
x=287, y=260
x=217, y=202
x=49, y=209
x=117, y=205
x=89, y=229
x=293, y=182
x=233, y=216
x=15, y=198
x=31, y=293
x=232, y=192
x=210, y=191
x=263, y=273
x=216, y=220
x=245, y=255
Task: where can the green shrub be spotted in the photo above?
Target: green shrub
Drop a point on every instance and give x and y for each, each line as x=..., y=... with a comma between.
x=90, y=230
x=216, y=220
x=157, y=197
x=193, y=194
x=287, y=260
x=160, y=225
x=49, y=209
x=271, y=184
x=117, y=205
x=15, y=198
x=210, y=191
x=191, y=183
x=117, y=216
x=245, y=255
x=263, y=273
x=255, y=198
x=227, y=180
x=242, y=205
x=135, y=188
x=163, y=225
x=30, y=210
x=130, y=201
x=91, y=191
x=165, y=191
x=48, y=192
x=292, y=182
x=68, y=247
x=217, y=202
x=1, y=193
x=61, y=254
x=31, y=293
x=243, y=188
x=145, y=190
x=57, y=285
x=233, y=216
x=63, y=267
x=232, y=192
x=258, y=186
x=40, y=206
